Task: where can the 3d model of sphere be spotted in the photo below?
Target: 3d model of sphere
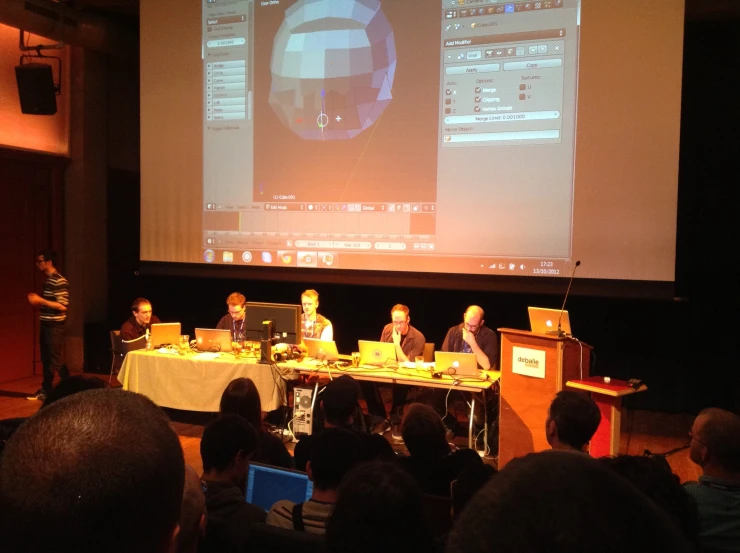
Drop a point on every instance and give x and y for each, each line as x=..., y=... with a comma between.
x=333, y=63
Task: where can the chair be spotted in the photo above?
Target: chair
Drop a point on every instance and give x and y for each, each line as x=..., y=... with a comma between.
x=132, y=345
x=429, y=352
x=264, y=538
x=438, y=512
x=116, y=344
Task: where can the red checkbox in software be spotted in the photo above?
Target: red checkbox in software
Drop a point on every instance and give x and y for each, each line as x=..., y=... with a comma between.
x=522, y=96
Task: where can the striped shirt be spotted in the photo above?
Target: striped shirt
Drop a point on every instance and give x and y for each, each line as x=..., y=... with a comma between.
x=56, y=289
x=315, y=515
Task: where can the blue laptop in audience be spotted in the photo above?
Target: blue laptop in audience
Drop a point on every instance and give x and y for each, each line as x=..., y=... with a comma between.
x=266, y=485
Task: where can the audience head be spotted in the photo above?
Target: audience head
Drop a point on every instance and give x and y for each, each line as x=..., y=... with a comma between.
x=653, y=477
x=379, y=509
x=237, y=305
x=226, y=446
x=471, y=479
x=715, y=442
x=339, y=400
x=99, y=471
x=73, y=385
x=242, y=398
x=559, y=502
x=334, y=453
x=572, y=421
x=142, y=310
x=193, y=514
x=424, y=433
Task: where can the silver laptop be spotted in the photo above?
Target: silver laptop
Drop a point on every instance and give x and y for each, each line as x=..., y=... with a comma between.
x=212, y=339
x=321, y=349
x=377, y=353
x=544, y=321
x=456, y=364
x=163, y=334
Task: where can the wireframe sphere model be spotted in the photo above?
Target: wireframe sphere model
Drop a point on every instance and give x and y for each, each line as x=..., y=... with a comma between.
x=332, y=66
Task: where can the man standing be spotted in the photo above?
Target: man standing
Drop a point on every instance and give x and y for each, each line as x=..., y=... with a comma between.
x=52, y=304
x=314, y=325
x=472, y=336
x=140, y=322
x=409, y=343
x=234, y=319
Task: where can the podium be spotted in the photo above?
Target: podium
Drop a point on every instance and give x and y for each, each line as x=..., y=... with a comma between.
x=534, y=367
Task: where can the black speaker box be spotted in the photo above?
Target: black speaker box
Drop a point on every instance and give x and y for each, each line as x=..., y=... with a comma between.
x=36, y=89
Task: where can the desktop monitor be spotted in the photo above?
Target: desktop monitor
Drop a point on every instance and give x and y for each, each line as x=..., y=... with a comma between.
x=286, y=321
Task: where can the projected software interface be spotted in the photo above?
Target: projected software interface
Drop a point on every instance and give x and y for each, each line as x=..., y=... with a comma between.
x=394, y=135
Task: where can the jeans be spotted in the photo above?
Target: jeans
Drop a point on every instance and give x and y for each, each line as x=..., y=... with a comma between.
x=374, y=401
x=51, y=342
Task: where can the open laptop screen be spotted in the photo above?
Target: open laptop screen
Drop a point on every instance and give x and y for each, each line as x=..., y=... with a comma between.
x=266, y=485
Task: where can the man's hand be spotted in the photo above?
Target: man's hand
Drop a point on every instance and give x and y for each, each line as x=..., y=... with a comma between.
x=396, y=337
x=36, y=300
x=469, y=338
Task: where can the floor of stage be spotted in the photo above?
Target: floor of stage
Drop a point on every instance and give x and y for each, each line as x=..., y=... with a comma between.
x=641, y=430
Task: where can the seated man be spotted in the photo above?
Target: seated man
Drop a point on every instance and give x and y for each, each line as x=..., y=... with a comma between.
x=409, y=343
x=227, y=444
x=338, y=405
x=715, y=447
x=572, y=420
x=234, y=319
x=335, y=452
x=100, y=471
x=314, y=325
x=431, y=461
x=140, y=322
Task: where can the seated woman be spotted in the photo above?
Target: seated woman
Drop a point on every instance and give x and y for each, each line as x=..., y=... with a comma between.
x=242, y=398
x=431, y=461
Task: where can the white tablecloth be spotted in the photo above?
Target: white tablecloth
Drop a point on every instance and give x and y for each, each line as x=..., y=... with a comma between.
x=193, y=384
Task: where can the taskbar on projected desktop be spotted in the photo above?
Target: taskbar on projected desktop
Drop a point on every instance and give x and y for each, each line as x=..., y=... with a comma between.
x=421, y=262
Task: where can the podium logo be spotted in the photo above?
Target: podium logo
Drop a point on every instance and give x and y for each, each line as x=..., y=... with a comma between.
x=534, y=363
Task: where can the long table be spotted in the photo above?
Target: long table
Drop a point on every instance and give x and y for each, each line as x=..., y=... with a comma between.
x=194, y=383
x=412, y=377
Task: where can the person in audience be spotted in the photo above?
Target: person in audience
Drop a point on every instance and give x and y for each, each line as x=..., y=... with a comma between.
x=140, y=322
x=226, y=447
x=715, y=447
x=473, y=336
x=234, y=319
x=572, y=420
x=558, y=502
x=334, y=454
x=431, y=461
x=193, y=514
x=314, y=325
x=338, y=403
x=653, y=477
x=379, y=508
x=409, y=343
x=53, y=305
x=100, y=471
x=241, y=397
x=64, y=388
x=470, y=480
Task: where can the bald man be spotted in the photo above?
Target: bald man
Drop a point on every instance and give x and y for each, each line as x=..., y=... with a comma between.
x=472, y=336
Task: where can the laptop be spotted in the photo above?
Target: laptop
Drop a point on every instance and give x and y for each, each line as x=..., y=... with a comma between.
x=377, y=353
x=321, y=349
x=163, y=334
x=544, y=321
x=266, y=485
x=212, y=339
x=456, y=364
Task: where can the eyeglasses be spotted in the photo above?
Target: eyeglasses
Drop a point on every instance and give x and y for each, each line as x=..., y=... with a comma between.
x=471, y=328
x=694, y=437
x=40, y=261
x=398, y=323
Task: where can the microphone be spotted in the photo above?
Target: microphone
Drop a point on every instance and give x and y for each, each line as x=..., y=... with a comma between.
x=559, y=332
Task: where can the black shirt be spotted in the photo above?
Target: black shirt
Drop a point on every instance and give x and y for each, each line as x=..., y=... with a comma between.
x=130, y=330
x=486, y=340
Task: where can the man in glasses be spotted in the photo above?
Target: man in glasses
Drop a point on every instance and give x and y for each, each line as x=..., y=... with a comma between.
x=234, y=319
x=141, y=320
x=52, y=304
x=472, y=336
x=409, y=343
